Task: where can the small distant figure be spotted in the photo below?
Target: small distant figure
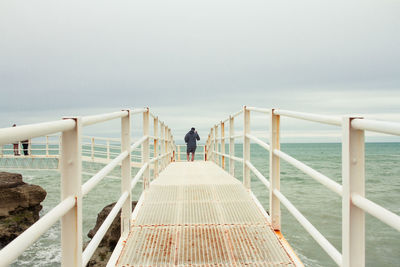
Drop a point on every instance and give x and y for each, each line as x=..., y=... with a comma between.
x=25, y=145
x=15, y=145
x=190, y=139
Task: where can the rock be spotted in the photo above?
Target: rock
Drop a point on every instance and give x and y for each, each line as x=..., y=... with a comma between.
x=110, y=239
x=19, y=205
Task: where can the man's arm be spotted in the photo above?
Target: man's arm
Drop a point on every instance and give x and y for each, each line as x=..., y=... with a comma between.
x=186, y=138
x=197, y=136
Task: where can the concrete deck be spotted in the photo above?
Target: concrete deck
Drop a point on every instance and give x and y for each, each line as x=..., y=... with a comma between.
x=196, y=214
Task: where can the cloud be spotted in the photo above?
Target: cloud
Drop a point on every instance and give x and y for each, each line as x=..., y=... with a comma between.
x=194, y=63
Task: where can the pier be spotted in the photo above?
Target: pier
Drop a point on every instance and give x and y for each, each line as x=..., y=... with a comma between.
x=191, y=213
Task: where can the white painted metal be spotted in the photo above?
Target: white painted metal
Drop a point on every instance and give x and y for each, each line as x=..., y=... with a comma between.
x=138, y=110
x=89, y=120
x=258, y=141
x=71, y=180
x=212, y=146
x=139, y=175
x=94, y=243
x=262, y=110
x=92, y=148
x=376, y=210
x=237, y=113
x=15, y=248
x=321, y=240
x=376, y=126
x=156, y=149
x=231, y=145
x=93, y=181
x=216, y=145
x=14, y=134
x=310, y=117
x=166, y=145
x=125, y=174
x=108, y=149
x=258, y=174
x=246, y=148
x=146, y=150
x=223, y=145
x=319, y=177
x=353, y=179
x=274, y=171
x=237, y=136
x=162, y=145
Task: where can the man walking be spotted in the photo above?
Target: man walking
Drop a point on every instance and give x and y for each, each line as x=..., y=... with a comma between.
x=190, y=139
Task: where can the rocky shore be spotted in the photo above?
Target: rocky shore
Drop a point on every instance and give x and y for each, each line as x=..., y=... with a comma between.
x=19, y=205
x=110, y=240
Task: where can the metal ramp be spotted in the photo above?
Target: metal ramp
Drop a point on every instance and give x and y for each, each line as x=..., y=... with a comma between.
x=196, y=214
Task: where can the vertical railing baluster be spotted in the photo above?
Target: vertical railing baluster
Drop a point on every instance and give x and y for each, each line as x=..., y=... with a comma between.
x=216, y=143
x=212, y=157
x=146, y=147
x=162, y=134
x=353, y=179
x=108, y=149
x=165, y=145
x=47, y=145
x=126, y=173
x=92, y=149
x=179, y=152
x=71, y=183
x=274, y=171
x=231, y=145
x=156, y=170
x=246, y=148
x=223, y=145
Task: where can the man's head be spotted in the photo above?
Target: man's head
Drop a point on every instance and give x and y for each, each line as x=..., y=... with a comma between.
x=192, y=129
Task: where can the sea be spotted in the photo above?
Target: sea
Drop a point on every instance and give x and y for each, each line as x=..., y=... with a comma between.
x=318, y=204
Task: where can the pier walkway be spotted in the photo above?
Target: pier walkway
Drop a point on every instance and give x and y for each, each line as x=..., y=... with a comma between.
x=190, y=213
x=196, y=214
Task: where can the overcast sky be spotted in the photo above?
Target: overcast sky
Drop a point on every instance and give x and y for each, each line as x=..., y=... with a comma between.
x=195, y=62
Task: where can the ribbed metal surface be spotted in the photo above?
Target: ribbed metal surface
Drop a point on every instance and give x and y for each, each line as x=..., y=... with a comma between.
x=188, y=223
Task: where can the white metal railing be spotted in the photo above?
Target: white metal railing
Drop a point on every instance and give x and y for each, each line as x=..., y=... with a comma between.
x=69, y=210
x=94, y=149
x=352, y=192
x=181, y=152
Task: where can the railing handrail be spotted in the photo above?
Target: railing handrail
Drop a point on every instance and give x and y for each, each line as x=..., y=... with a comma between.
x=360, y=124
x=9, y=135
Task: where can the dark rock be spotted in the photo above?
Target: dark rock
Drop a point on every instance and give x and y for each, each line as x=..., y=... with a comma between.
x=110, y=239
x=19, y=206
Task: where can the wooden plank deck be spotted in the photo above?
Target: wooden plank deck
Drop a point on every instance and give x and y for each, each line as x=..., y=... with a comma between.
x=196, y=214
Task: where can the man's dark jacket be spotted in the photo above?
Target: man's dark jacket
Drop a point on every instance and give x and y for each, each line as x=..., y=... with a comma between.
x=190, y=139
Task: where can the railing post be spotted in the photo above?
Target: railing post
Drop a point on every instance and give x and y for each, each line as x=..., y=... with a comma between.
x=156, y=170
x=108, y=149
x=223, y=144
x=146, y=150
x=162, y=146
x=246, y=147
x=231, y=146
x=212, y=145
x=179, y=152
x=166, y=146
x=47, y=145
x=71, y=183
x=126, y=173
x=29, y=146
x=92, y=149
x=353, y=179
x=170, y=145
x=216, y=144
x=274, y=171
